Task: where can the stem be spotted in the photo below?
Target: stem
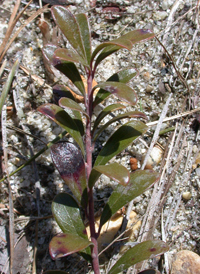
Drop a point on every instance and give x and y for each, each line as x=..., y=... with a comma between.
x=89, y=150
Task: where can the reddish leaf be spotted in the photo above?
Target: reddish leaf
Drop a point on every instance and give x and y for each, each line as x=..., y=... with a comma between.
x=138, y=253
x=75, y=29
x=68, y=55
x=125, y=41
x=123, y=76
x=70, y=164
x=58, y=115
x=120, y=90
x=65, y=244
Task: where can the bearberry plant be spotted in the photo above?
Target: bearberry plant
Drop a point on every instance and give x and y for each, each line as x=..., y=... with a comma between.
x=76, y=162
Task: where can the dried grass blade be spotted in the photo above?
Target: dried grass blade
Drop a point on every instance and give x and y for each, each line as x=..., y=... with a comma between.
x=31, y=18
x=11, y=214
x=7, y=85
x=10, y=26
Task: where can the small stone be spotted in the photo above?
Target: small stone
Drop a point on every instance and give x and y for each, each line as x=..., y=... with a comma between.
x=186, y=261
x=160, y=15
x=197, y=161
x=149, y=89
x=198, y=171
x=146, y=75
x=187, y=195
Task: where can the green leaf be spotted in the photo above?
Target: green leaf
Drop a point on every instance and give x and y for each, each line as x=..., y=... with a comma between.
x=71, y=166
x=123, y=76
x=138, y=253
x=48, y=51
x=71, y=71
x=84, y=28
x=72, y=28
x=131, y=114
x=120, y=140
x=66, y=212
x=120, y=90
x=68, y=55
x=114, y=171
x=125, y=41
x=65, y=244
x=58, y=115
x=139, y=181
x=107, y=110
x=68, y=103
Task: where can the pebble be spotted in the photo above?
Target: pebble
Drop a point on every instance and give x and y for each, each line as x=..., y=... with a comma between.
x=198, y=171
x=154, y=158
x=187, y=195
x=160, y=15
x=149, y=89
x=186, y=262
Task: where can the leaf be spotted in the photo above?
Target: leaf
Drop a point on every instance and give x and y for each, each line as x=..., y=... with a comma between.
x=139, y=181
x=138, y=253
x=70, y=164
x=84, y=28
x=120, y=139
x=65, y=244
x=125, y=41
x=114, y=171
x=120, y=90
x=66, y=212
x=68, y=103
x=131, y=114
x=60, y=91
x=69, y=70
x=107, y=110
x=58, y=115
x=68, y=55
x=123, y=76
x=72, y=28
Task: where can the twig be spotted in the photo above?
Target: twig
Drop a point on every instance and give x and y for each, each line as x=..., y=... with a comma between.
x=156, y=133
x=173, y=64
x=174, y=117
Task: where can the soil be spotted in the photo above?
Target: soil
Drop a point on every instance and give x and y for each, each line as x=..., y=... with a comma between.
x=167, y=66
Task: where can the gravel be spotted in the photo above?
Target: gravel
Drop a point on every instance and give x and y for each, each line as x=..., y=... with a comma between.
x=176, y=26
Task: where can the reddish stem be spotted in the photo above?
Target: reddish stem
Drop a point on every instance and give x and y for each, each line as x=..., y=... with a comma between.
x=89, y=150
